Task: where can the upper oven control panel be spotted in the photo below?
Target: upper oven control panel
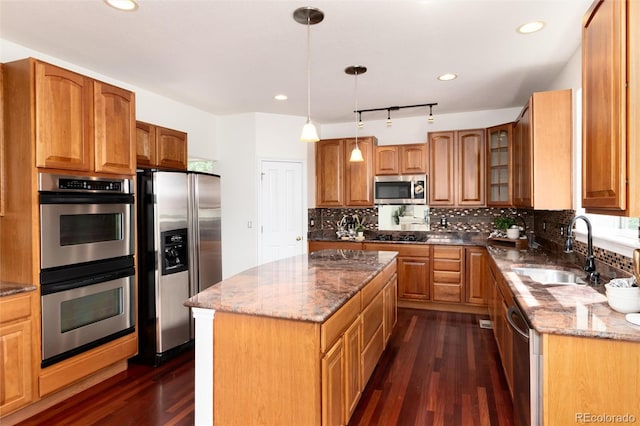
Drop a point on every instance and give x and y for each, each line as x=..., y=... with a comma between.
x=51, y=182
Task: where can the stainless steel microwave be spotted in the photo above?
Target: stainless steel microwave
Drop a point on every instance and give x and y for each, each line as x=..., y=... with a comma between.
x=400, y=189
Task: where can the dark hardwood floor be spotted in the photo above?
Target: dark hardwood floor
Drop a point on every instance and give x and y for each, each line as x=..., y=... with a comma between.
x=440, y=369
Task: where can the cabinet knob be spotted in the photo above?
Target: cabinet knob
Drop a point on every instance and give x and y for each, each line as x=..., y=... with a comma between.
x=298, y=238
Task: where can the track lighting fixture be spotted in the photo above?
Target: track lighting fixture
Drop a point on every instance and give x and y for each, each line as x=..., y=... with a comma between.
x=396, y=108
x=308, y=16
x=356, y=154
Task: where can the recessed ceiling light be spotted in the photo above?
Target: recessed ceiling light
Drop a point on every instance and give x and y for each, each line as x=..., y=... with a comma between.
x=126, y=5
x=448, y=76
x=281, y=97
x=530, y=27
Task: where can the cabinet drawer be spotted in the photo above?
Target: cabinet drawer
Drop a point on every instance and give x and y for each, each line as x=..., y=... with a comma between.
x=337, y=323
x=446, y=265
x=376, y=285
x=450, y=277
x=447, y=293
x=15, y=307
x=372, y=317
x=371, y=354
x=447, y=252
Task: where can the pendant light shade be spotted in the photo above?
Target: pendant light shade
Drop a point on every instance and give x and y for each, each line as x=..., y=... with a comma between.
x=356, y=154
x=308, y=16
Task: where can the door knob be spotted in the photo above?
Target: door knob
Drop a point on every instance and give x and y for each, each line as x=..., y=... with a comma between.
x=298, y=238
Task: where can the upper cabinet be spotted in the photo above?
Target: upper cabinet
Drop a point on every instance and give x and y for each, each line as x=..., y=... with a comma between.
x=610, y=110
x=81, y=124
x=340, y=182
x=499, y=150
x=457, y=168
x=2, y=169
x=542, y=170
x=159, y=147
x=407, y=159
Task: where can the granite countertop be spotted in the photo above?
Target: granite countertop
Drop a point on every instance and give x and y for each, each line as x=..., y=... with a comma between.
x=309, y=287
x=412, y=237
x=9, y=288
x=577, y=310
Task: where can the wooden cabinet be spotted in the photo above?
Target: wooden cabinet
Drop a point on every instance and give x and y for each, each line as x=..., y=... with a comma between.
x=499, y=301
x=475, y=277
x=390, y=308
x=333, y=385
x=82, y=124
x=300, y=372
x=159, y=147
x=447, y=281
x=499, y=162
x=457, y=168
x=542, y=152
x=340, y=182
x=413, y=277
x=610, y=110
x=410, y=159
x=16, y=362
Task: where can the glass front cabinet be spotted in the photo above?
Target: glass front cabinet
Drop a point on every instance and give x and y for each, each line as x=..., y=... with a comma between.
x=499, y=151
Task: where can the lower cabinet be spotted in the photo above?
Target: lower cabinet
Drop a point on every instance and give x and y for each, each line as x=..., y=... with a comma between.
x=448, y=274
x=16, y=369
x=451, y=276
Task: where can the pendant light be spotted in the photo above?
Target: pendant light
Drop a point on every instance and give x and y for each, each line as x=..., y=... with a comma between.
x=356, y=154
x=308, y=16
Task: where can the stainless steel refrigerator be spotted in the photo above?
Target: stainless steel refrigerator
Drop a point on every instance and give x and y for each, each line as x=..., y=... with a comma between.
x=179, y=251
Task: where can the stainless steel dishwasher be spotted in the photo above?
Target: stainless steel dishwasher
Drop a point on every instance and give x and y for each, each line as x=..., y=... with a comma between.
x=527, y=369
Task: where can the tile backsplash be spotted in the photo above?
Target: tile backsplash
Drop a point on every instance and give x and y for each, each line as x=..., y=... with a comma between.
x=547, y=225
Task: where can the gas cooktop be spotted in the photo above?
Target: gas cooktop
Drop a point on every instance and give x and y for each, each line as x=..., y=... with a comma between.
x=401, y=237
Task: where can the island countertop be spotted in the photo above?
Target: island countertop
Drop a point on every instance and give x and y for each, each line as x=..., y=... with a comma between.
x=575, y=310
x=308, y=287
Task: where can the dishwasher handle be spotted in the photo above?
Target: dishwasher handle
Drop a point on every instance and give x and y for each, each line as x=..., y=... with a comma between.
x=515, y=311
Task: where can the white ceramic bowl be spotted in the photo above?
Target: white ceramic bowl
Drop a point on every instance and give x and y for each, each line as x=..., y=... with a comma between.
x=513, y=233
x=624, y=300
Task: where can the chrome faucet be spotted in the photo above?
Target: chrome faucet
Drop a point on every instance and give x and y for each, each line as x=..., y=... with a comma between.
x=590, y=264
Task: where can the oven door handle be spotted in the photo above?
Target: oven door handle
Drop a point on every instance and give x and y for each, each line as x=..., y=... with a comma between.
x=513, y=311
x=70, y=198
x=83, y=282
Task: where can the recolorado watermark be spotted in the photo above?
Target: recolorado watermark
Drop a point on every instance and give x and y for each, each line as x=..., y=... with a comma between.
x=605, y=418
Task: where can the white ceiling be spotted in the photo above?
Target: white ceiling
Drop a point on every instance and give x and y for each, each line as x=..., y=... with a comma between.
x=230, y=57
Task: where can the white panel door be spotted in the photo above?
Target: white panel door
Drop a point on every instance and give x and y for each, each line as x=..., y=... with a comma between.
x=282, y=216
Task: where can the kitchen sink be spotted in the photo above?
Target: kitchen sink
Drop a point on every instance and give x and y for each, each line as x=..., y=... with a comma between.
x=550, y=276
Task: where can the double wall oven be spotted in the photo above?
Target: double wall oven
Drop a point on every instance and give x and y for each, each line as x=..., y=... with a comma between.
x=87, y=276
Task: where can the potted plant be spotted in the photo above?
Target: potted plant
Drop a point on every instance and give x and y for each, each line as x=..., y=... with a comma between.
x=504, y=223
x=359, y=230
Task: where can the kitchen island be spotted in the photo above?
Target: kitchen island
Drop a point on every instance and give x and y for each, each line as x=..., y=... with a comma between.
x=293, y=341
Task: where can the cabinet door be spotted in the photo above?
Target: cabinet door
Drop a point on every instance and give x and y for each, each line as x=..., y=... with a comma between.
x=15, y=377
x=604, y=106
x=2, y=172
x=390, y=308
x=64, y=119
x=352, y=368
x=522, y=161
x=145, y=144
x=413, y=278
x=171, y=149
x=475, y=266
x=386, y=160
x=332, y=385
x=329, y=173
x=471, y=168
x=114, y=129
x=441, y=169
x=499, y=162
x=358, y=177
x=413, y=159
